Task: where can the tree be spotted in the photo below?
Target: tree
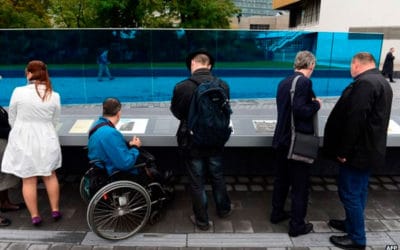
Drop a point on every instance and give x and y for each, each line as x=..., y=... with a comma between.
x=186, y=14
x=24, y=14
x=205, y=13
x=143, y=13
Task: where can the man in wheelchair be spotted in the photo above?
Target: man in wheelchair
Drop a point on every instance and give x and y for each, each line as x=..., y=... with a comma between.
x=109, y=151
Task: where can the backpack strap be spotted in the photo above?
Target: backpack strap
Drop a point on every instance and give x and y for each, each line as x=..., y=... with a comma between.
x=101, y=124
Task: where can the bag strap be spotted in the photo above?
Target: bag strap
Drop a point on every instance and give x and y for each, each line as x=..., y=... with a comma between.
x=315, y=117
x=101, y=124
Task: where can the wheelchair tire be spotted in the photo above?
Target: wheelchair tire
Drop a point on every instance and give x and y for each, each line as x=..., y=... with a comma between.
x=84, y=194
x=119, y=210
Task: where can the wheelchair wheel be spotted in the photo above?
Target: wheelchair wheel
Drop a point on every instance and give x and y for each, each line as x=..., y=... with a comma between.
x=83, y=187
x=119, y=210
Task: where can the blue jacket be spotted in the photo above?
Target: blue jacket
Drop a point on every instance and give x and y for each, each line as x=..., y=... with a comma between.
x=304, y=109
x=108, y=145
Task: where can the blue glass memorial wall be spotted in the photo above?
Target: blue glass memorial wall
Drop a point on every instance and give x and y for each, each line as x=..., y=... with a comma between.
x=147, y=63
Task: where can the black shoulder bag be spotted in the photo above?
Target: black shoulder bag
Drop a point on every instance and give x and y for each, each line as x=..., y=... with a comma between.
x=303, y=147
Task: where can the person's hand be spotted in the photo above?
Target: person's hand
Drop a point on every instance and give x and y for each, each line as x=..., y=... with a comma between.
x=341, y=160
x=318, y=100
x=135, y=142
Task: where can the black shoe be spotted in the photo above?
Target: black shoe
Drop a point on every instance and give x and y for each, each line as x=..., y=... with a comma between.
x=392, y=81
x=227, y=214
x=307, y=228
x=204, y=227
x=337, y=224
x=276, y=218
x=345, y=242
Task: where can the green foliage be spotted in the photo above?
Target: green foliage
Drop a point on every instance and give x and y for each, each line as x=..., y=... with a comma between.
x=205, y=13
x=24, y=14
x=116, y=13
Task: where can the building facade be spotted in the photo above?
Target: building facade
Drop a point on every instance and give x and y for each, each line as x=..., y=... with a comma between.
x=258, y=14
x=347, y=16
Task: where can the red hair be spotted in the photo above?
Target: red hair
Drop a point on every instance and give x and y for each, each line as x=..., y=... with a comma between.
x=40, y=75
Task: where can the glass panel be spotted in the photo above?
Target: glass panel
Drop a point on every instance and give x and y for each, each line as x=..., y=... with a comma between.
x=145, y=64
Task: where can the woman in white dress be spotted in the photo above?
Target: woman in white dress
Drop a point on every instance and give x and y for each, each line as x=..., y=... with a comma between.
x=33, y=148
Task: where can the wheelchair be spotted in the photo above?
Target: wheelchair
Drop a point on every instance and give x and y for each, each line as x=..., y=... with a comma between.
x=119, y=207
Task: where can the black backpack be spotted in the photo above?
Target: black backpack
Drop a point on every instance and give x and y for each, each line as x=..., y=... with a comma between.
x=209, y=115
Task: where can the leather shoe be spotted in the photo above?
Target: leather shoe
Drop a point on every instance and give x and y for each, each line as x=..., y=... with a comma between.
x=307, y=228
x=276, y=218
x=337, y=224
x=203, y=227
x=345, y=242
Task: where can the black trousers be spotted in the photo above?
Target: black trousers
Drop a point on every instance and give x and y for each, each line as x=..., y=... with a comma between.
x=294, y=176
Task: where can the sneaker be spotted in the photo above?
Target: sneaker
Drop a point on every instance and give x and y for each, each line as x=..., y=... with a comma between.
x=201, y=227
x=307, y=228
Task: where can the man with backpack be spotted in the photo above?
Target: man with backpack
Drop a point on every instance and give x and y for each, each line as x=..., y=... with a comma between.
x=201, y=103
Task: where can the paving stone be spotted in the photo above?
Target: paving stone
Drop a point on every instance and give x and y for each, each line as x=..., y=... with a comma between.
x=269, y=187
x=223, y=226
x=373, y=179
x=332, y=187
x=372, y=214
x=256, y=188
x=237, y=239
x=396, y=178
x=329, y=180
x=375, y=187
x=320, y=227
x=229, y=187
x=385, y=179
x=388, y=213
x=230, y=179
x=4, y=245
x=103, y=247
x=392, y=225
x=374, y=226
x=318, y=188
x=241, y=187
x=18, y=246
x=243, y=179
x=395, y=236
x=38, y=247
x=257, y=179
x=378, y=239
x=140, y=240
x=391, y=187
x=61, y=246
x=243, y=226
x=316, y=179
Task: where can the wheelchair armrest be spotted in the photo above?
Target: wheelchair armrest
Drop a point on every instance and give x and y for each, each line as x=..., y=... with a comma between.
x=140, y=165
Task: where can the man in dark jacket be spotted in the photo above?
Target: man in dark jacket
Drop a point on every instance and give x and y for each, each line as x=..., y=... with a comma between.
x=290, y=173
x=199, y=160
x=355, y=137
x=388, y=65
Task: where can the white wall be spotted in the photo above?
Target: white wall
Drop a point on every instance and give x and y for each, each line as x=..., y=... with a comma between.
x=339, y=15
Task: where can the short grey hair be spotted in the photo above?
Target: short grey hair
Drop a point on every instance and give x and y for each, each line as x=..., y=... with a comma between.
x=304, y=59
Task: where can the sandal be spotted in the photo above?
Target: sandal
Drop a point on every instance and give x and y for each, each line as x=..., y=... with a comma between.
x=16, y=207
x=4, y=222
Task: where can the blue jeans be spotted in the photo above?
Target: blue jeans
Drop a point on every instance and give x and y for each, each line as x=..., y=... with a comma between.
x=353, y=192
x=197, y=169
